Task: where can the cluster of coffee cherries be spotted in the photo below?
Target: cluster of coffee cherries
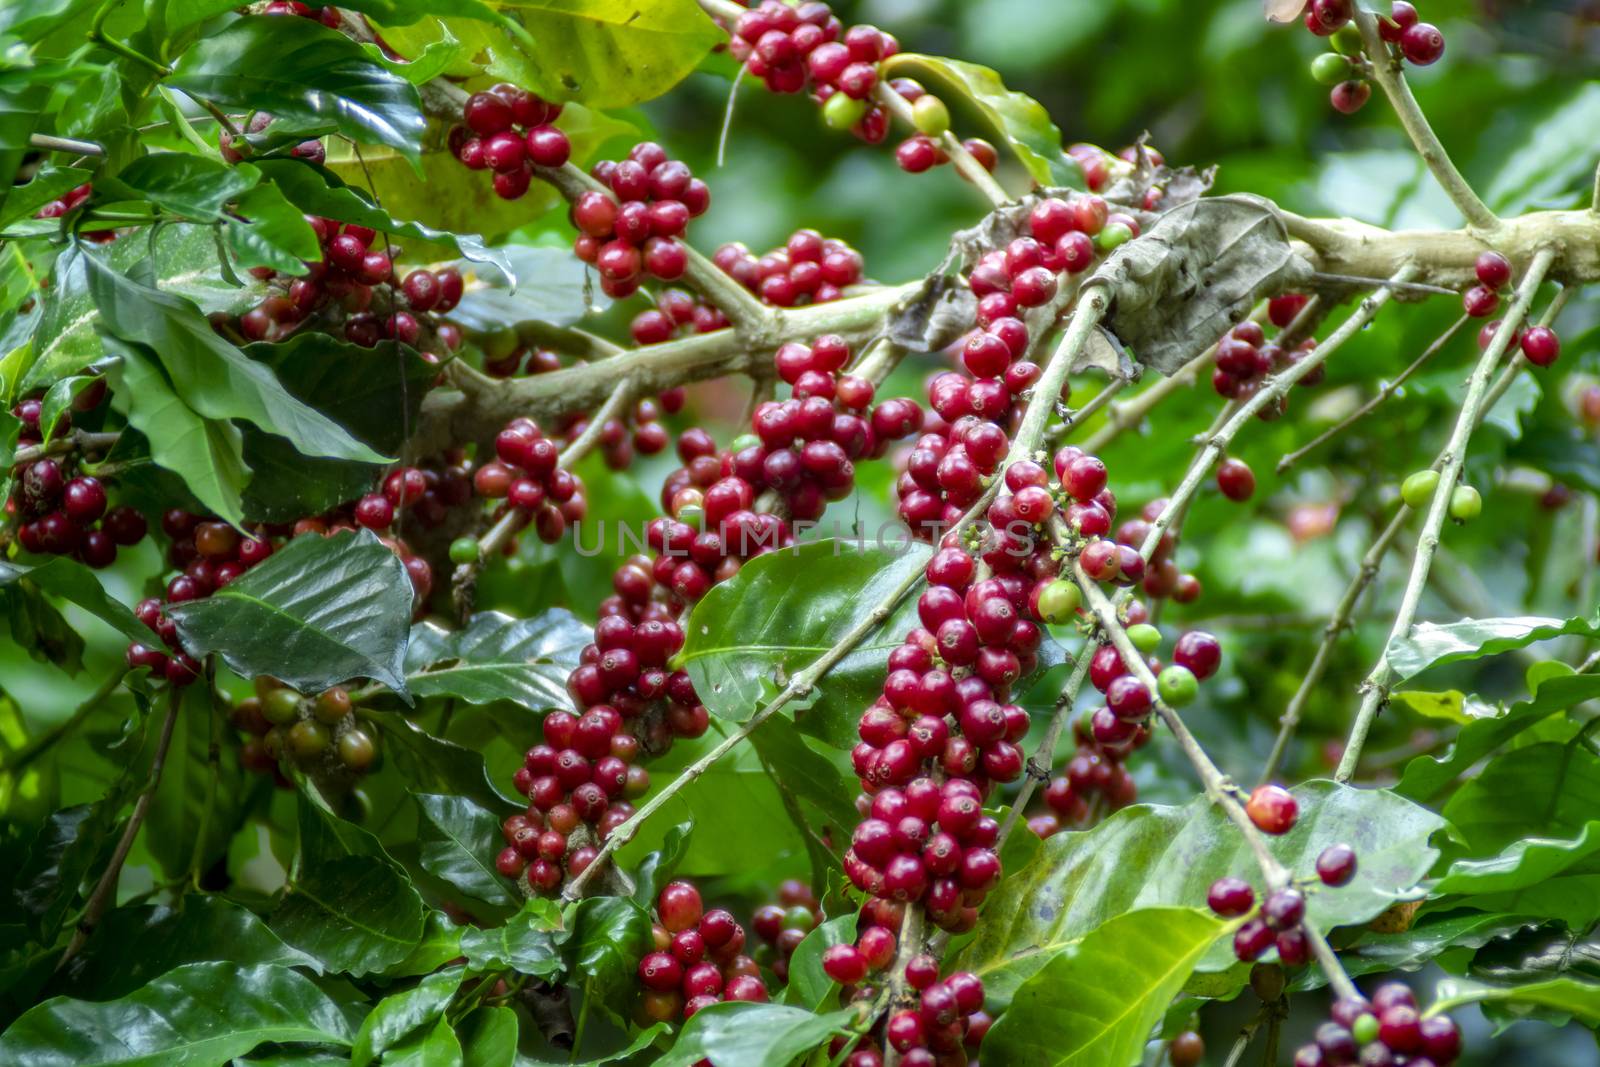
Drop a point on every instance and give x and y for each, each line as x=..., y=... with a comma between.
x=698, y=960
x=808, y=269
x=1245, y=357
x=1345, y=68
x=65, y=202
x=426, y=493
x=525, y=474
x=1162, y=578
x=1539, y=344
x=317, y=733
x=632, y=228
x=677, y=313
x=783, y=925
x=1386, y=1031
x=923, y=150
x=354, y=282
x=1278, y=923
x=64, y=514
x=509, y=131
x=1093, y=783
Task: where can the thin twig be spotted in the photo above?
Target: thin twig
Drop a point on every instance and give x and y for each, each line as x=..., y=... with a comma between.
x=51, y=143
x=1038, y=766
x=584, y=443
x=913, y=920
x=37, y=746
x=77, y=441
x=1389, y=389
x=1375, y=689
x=1386, y=72
x=975, y=172
x=105, y=889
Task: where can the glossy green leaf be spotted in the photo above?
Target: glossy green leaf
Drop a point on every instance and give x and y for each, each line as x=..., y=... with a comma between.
x=488, y=1038
x=804, y=774
x=1434, y=644
x=399, y=1015
x=321, y=192
x=195, y=810
x=783, y=610
x=1150, y=856
x=46, y=185
x=552, y=287
x=131, y=946
x=270, y=232
x=1096, y=1001
x=609, y=53
x=1530, y=953
x=431, y=764
x=498, y=657
x=358, y=914
x=1451, y=706
x=1021, y=122
x=657, y=868
x=207, y=454
x=608, y=936
x=809, y=986
x=1555, y=160
x=197, y=187
x=1581, y=1000
x=436, y=1048
x=202, y=1013
x=1434, y=940
x=212, y=376
x=742, y=1034
x=299, y=69
x=529, y=942
x=21, y=101
x=71, y=581
x=181, y=14
x=376, y=394
x=319, y=611
x=1425, y=776
x=458, y=841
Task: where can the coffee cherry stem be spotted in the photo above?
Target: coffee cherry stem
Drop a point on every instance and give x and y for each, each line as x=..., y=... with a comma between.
x=1375, y=689
x=1393, y=83
x=756, y=323
x=975, y=172
x=76, y=441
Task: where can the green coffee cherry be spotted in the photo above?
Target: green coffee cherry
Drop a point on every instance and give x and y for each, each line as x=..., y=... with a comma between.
x=1465, y=504
x=1059, y=601
x=356, y=750
x=840, y=112
x=1346, y=40
x=742, y=442
x=1145, y=638
x=464, y=550
x=1330, y=68
x=280, y=706
x=1418, y=489
x=501, y=343
x=1177, y=685
x=929, y=115
x=1365, y=1029
x=308, y=738
x=1114, y=234
x=799, y=918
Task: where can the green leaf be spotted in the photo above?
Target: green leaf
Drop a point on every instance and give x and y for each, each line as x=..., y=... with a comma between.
x=551, y=287
x=73, y=582
x=185, y=184
x=497, y=657
x=22, y=103
x=399, y=1015
x=300, y=70
x=430, y=63
x=1425, y=776
x=458, y=841
x=202, y=1014
x=528, y=942
x=750, y=634
x=433, y=765
x=807, y=775
x=376, y=394
x=752, y=1035
x=809, y=986
x=131, y=946
x=610, y=53
x=489, y=1038
x=437, y=1048
x=1156, y=856
x=1451, y=705
x=316, y=191
x=47, y=184
x=1020, y=121
x=190, y=795
x=1580, y=1000
x=208, y=454
x=609, y=935
x=655, y=869
x=213, y=377
x=1554, y=158
x=1097, y=1000
x=319, y=611
x=271, y=232
x=1434, y=644
x=358, y=914
x=1433, y=940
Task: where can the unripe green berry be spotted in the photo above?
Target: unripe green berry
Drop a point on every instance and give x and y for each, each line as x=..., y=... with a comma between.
x=1060, y=601
x=464, y=550
x=799, y=917
x=840, y=112
x=308, y=738
x=501, y=343
x=1365, y=1029
x=331, y=705
x=1418, y=489
x=1114, y=234
x=930, y=116
x=742, y=442
x=1346, y=40
x=1465, y=504
x=280, y=706
x=356, y=750
x=1330, y=68
x=1145, y=638
x=1178, y=685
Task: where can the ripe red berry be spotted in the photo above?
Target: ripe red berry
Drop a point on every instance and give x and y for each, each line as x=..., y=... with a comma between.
x=1480, y=301
x=1493, y=269
x=1541, y=345
x=844, y=964
x=1230, y=897
x=1422, y=44
x=1236, y=480
x=1273, y=809
x=1336, y=865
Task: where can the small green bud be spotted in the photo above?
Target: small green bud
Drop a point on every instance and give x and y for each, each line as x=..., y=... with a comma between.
x=1418, y=489
x=1365, y=1029
x=840, y=112
x=929, y=115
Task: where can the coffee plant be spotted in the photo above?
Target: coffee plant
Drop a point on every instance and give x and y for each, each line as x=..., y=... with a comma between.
x=690, y=533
